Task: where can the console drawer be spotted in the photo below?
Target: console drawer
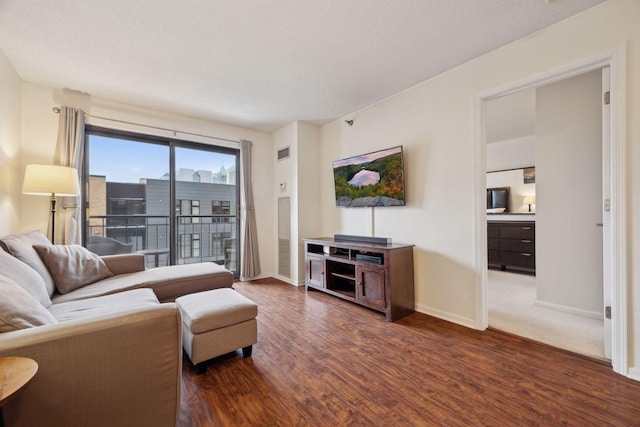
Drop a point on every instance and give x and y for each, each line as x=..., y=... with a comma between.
x=518, y=259
x=518, y=245
x=518, y=232
x=511, y=246
x=493, y=243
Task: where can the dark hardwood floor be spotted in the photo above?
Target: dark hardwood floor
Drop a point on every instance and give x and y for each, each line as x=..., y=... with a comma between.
x=321, y=361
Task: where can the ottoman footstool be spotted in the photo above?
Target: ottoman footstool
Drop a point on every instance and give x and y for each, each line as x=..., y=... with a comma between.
x=217, y=322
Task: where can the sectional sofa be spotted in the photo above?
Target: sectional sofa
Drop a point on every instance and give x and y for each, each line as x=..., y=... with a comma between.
x=104, y=331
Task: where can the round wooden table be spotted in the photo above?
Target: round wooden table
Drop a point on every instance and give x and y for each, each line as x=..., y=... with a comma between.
x=15, y=374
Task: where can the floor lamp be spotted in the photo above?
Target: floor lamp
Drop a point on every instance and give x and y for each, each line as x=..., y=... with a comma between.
x=53, y=181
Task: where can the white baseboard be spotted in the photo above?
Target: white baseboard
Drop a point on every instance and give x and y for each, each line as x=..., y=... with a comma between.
x=570, y=310
x=449, y=317
x=287, y=280
x=634, y=374
x=258, y=277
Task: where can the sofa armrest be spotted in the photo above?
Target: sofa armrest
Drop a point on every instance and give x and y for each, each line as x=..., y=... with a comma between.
x=113, y=370
x=125, y=263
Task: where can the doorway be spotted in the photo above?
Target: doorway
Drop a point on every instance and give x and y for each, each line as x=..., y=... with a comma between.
x=615, y=60
x=550, y=138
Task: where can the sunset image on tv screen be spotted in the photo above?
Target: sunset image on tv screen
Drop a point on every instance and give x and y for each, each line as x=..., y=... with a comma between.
x=374, y=179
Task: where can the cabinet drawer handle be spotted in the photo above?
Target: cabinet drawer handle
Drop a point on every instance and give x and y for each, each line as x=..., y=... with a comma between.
x=525, y=228
x=525, y=254
x=526, y=241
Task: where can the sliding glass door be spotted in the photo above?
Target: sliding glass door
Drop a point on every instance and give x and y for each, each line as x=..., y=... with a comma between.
x=206, y=199
x=174, y=202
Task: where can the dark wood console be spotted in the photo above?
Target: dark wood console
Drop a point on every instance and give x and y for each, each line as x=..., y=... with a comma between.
x=378, y=276
x=512, y=246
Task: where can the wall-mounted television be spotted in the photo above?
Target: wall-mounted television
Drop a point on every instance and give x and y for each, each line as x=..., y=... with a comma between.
x=372, y=179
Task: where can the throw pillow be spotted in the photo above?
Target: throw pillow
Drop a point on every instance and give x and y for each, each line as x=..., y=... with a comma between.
x=18, y=309
x=25, y=276
x=72, y=266
x=21, y=247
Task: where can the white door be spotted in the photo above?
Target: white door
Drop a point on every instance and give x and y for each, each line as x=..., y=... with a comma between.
x=606, y=217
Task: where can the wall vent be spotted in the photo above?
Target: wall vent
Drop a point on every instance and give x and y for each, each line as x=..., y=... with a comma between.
x=283, y=153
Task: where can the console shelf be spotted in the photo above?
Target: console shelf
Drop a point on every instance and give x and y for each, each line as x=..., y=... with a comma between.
x=378, y=276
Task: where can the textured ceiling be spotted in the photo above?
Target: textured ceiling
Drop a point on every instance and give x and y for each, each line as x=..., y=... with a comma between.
x=257, y=63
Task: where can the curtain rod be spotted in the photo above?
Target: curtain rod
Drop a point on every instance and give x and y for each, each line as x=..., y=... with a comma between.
x=57, y=110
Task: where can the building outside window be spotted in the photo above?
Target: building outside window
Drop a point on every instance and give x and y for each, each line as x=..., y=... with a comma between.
x=222, y=209
x=189, y=245
x=217, y=243
x=145, y=206
x=186, y=208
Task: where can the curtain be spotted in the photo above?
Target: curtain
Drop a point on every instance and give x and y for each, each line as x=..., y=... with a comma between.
x=250, y=260
x=70, y=152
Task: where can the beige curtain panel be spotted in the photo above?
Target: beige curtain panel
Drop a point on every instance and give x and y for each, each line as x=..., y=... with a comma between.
x=250, y=260
x=70, y=152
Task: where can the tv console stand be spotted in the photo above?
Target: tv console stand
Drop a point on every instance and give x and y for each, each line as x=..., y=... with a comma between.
x=378, y=276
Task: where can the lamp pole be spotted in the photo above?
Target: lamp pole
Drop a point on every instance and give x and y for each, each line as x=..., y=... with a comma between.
x=53, y=218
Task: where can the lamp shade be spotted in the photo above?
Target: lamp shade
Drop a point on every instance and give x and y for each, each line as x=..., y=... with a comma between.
x=48, y=180
x=529, y=200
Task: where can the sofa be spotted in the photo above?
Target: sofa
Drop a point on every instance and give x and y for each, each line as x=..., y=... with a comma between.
x=104, y=331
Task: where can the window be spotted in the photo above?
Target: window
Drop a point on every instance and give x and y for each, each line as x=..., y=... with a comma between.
x=161, y=194
x=221, y=209
x=187, y=211
x=190, y=245
x=218, y=243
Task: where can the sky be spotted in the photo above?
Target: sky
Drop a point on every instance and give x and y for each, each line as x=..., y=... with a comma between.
x=128, y=161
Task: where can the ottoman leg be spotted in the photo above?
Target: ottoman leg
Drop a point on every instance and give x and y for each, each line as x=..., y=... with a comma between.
x=201, y=368
x=246, y=351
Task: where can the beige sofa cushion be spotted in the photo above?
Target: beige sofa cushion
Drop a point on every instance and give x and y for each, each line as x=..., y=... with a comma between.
x=72, y=266
x=168, y=283
x=206, y=311
x=21, y=247
x=108, y=304
x=18, y=309
x=25, y=276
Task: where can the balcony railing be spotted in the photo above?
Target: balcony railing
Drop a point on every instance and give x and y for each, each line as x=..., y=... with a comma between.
x=199, y=238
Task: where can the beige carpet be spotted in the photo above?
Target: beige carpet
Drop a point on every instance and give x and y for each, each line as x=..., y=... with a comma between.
x=512, y=309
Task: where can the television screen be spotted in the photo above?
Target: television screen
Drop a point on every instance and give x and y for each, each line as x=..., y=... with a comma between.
x=373, y=179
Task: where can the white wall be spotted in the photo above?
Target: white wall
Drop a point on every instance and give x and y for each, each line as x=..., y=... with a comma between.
x=40, y=130
x=569, y=201
x=10, y=166
x=434, y=121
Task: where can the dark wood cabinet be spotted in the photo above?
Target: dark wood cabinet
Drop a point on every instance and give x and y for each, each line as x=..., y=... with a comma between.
x=315, y=270
x=512, y=246
x=373, y=275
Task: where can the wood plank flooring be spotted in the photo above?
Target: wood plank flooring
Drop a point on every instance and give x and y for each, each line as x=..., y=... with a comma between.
x=321, y=361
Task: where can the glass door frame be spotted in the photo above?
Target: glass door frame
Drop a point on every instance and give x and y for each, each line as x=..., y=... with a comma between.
x=172, y=144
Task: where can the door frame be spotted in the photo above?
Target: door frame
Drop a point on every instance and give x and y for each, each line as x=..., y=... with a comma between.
x=617, y=61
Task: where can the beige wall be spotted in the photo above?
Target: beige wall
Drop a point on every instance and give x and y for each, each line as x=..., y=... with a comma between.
x=10, y=165
x=435, y=123
x=309, y=219
x=300, y=173
x=284, y=174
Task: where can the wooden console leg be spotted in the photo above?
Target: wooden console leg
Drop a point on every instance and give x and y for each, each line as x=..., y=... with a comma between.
x=246, y=351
